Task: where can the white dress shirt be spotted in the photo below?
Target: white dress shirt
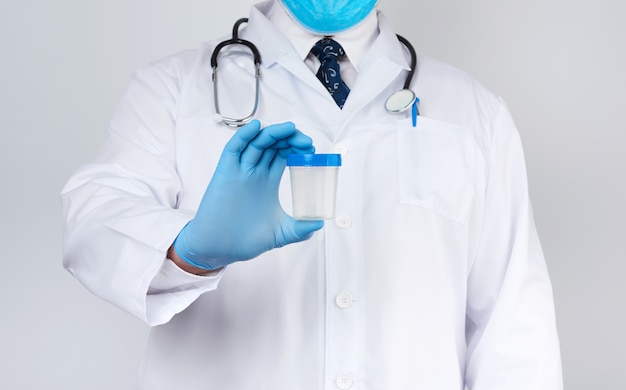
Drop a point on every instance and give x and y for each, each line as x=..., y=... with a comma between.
x=354, y=41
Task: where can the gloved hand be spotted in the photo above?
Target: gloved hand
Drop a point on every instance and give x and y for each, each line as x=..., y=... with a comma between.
x=240, y=216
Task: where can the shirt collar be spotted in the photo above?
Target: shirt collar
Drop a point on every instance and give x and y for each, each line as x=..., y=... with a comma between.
x=355, y=41
x=274, y=43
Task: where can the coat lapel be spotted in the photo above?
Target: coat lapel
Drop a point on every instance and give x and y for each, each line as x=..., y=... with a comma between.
x=276, y=50
x=380, y=66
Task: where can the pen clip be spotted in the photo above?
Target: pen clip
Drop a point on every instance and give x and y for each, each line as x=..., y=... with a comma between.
x=415, y=111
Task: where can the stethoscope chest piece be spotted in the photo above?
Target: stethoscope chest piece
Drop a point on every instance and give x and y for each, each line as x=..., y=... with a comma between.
x=400, y=101
x=405, y=98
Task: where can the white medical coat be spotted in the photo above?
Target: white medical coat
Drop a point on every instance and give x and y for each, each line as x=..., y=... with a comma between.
x=430, y=278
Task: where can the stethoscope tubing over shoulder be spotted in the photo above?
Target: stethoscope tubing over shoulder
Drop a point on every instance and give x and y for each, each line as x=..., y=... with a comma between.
x=235, y=40
x=398, y=102
x=405, y=98
x=411, y=74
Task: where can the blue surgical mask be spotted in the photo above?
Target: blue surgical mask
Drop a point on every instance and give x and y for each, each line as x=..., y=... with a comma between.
x=329, y=16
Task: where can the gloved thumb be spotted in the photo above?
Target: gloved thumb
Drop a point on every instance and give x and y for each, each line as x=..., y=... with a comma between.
x=301, y=230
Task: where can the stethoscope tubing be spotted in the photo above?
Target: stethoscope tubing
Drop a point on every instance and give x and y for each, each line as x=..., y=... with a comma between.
x=235, y=40
x=411, y=74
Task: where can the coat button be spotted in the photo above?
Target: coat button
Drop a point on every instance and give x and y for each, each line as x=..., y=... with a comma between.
x=343, y=221
x=344, y=381
x=343, y=300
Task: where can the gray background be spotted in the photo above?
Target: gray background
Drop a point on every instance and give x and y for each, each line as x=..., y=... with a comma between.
x=559, y=64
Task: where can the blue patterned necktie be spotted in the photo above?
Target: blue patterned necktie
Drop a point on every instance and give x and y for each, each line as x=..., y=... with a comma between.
x=328, y=52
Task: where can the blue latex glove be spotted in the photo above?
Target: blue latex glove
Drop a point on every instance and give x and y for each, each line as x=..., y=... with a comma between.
x=240, y=216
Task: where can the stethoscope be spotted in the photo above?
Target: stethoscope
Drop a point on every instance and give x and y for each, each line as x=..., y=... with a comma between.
x=398, y=102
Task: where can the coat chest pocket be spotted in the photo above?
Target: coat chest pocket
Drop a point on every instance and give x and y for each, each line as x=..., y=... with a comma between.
x=436, y=167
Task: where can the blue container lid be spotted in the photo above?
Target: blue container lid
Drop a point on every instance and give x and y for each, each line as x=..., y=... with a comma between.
x=313, y=160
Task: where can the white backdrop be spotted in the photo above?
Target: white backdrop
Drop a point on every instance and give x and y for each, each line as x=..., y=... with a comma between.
x=560, y=65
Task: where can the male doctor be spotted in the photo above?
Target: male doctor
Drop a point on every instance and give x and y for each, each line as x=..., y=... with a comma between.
x=431, y=276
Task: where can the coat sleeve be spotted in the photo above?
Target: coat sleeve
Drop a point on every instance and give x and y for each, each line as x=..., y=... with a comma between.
x=120, y=213
x=510, y=321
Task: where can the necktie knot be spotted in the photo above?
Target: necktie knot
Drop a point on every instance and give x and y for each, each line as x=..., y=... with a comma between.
x=328, y=51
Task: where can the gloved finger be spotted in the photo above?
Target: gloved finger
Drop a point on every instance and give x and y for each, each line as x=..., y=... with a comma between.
x=300, y=140
x=279, y=162
x=238, y=143
x=297, y=143
x=266, y=159
x=275, y=160
x=277, y=165
x=274, y=157
x=266, y=138
x=293, y=150
x=296, y=140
